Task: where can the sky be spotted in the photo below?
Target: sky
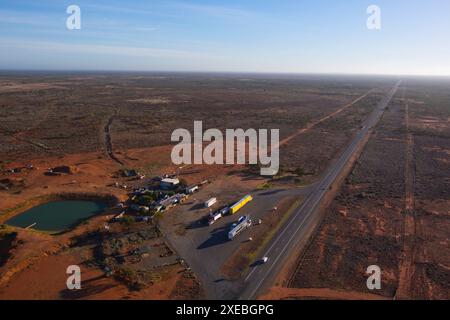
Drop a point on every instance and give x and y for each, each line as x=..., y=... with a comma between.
x=264, y=36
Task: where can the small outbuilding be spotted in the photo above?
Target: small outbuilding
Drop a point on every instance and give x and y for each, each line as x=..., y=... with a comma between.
x=169, y=183
x=191, y=189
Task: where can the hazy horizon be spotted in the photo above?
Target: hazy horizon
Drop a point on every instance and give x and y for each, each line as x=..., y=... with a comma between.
x=213, y=72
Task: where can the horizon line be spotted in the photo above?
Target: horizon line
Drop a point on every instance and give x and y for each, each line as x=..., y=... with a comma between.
x=226, y=72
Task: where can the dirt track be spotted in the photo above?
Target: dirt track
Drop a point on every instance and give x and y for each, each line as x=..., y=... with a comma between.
x=314, y=123
x=108, y=139
x=282, y=293
x=409, y=245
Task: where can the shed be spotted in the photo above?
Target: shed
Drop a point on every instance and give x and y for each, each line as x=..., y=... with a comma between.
x=169, y=183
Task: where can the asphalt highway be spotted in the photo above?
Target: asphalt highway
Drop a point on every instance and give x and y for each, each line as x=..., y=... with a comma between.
x=288, y=238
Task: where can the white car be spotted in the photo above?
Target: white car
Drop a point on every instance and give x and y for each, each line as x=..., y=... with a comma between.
x=264, y=259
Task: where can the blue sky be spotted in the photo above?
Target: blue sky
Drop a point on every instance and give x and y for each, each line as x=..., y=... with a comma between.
x=298, y=36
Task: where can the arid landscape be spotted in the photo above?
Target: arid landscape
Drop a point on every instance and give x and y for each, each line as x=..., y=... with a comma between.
x=392, y=211
x=105, y=138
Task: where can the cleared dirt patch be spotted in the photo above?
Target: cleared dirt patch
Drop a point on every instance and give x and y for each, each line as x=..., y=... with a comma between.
x=151, y=101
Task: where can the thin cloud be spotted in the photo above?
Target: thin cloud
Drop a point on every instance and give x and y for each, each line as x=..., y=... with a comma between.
x=128, y=10
x=27, y=18
x=106, y=50
x=146, y=29
x=215, y=11
x=178, y=9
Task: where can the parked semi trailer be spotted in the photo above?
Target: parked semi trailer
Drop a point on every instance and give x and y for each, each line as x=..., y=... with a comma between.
x=239, y=227
x=213, y=217
x=238, y=205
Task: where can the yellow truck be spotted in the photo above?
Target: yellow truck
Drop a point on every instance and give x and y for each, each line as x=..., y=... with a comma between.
x=238, y=205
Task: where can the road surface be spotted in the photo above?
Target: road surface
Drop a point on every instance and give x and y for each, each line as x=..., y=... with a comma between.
x=261, y=276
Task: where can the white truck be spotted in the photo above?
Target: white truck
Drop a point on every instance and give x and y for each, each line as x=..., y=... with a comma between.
x=213, y=217
x=237, y=228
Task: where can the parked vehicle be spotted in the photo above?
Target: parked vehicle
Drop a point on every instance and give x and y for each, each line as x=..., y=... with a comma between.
x=237, y=228
x=213, y=217
x=241, y=203
x=191, y=189
x=209, y=203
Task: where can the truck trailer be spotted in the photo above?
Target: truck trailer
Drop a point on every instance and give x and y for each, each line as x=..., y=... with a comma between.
x=213, y=217
x=241, y=203
x=210, y=202
x=243, y=223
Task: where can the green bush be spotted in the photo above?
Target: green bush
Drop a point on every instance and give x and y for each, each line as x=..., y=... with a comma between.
x=147, y=199
x=127, y=220
x=299, y=172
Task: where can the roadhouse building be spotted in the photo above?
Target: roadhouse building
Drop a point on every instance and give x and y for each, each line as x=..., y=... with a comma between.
x=169, y=183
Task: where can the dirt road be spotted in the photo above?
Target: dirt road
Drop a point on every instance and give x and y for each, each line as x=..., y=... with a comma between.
x=409, y=247
x=108, y=140
x=314, y=123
